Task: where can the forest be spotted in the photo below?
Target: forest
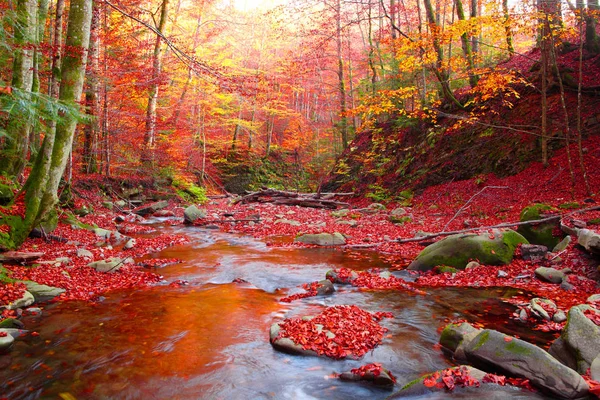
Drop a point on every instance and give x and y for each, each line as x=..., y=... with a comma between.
x=308, y=199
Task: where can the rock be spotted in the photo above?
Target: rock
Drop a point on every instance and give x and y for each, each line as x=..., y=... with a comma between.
x=25, y=301
x=384, y=378
x=561, y=352
x=108, y=205
x=164, y=213
x=286, y=345
x=399, y=220
x=549, y=274
x=417, y=389
x=85, y=253
x=398, y=212
x=515, y=357
x=566, y=286
x=350, y=222
x=502, y=274
x=15, y=333
x=542, y=233
x=63, y=261
x=331, y=275
x=457, y=250
x=130, y=244
x=19, y=257
x=340, y=213
x=102, y=233
x=192, y=214
x=325, y=287
x=42, y=292
x=110, y=265
x=322, y=239
x=472, y=264
x=11, y=323
x=6, y=194
x=120, y=203
x=582, y=336
x=287, y=222
x=377, y=206
x=533, y=252
x=589, y=240
x=562, y=245
x=445, y=269
x=453, y=335
x=36, y=311
x=539, y=311
x=6, y=342
x=149, y=209
x=593, y=298
x=559, y=317
x=595, y=369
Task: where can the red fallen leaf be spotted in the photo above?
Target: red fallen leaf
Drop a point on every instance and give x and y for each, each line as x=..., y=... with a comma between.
x=35, y=334
x=508, y=338
x=429, y=381
x=493, y=378
x=595, y=390
x=449, y=382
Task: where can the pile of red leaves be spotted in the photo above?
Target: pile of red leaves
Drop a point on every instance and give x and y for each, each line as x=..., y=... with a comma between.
x=373, y=368
x=3, y=334
x=503, y=380
x=450, y=378
x=369, y=280
x=11, y=292
x=593, y=316
x=85, y=283
x=311, y=291
x=356, y=332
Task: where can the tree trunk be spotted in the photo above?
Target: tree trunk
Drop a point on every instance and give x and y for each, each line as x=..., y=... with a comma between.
x=474, y=14
x=592, y=42
x=343, y=124
x=150, y=135
x=18, y=128
x=507, y=28
x=42, y=185
x=42, y=15
x=466, y=45
x=439, y=70
x=92, y=100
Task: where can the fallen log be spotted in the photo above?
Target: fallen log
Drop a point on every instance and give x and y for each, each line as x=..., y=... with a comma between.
x=280, y=197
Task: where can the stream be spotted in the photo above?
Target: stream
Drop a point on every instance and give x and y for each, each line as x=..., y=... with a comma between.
x=209, y=339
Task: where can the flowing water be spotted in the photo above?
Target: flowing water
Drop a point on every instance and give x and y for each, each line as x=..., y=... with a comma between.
x=209, y=339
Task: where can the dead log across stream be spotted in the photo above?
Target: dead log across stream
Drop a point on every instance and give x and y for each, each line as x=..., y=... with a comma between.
x=280, y=197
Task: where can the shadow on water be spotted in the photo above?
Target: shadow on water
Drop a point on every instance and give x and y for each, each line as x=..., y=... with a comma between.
x=209, y=340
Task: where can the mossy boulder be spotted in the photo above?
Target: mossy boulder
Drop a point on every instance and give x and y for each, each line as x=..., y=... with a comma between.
x=417, y=389
x=582, y=336
x=192, y=213
x=541, y=233
x=42, y=292
x=455, y=335
x=6, y=342
x=458, y=250
x=382, y=378
x=495, y=351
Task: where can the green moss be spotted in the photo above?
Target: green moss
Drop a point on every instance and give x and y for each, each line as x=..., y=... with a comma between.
x=394, y=219
x=448, y=339
x=534, y=211
x=517, y=348
x=542, y=233
x=483, y=338
x=569, y=206
x=414, y=382
x=4, y=278
x=595, y=221
x=444, y=268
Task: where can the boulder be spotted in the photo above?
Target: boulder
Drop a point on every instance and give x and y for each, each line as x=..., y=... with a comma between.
x=288, y=222
x=541, y=233
x=110, y=265
x=589, y=240
x=25, y=301
x=582, y=336
x=192, y=213
x=457, y=250
x=455, y=336
x=549, y=274
x=595, y=369
x=497, y=351
x=540, y=312
x=417, y=389
x=85, y=253
x=325, y=287
x=340, y=213
x=562, y=353
x=322, y=239
x=149, y=209
x=286, y=345
x=130, y=244
x=9, y=323
x=377, y=206
x=398, y=212
x=333, y=276
x=562, y=245
x=382, y=377
x=42, y=292
x=349, y=222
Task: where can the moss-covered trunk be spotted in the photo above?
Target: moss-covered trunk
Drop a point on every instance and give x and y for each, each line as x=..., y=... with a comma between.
x=42, y=185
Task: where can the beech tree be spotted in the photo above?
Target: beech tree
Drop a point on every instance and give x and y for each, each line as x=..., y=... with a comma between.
x=41, y=187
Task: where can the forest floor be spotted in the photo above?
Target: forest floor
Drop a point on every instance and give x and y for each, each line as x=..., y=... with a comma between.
x=480, y=202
